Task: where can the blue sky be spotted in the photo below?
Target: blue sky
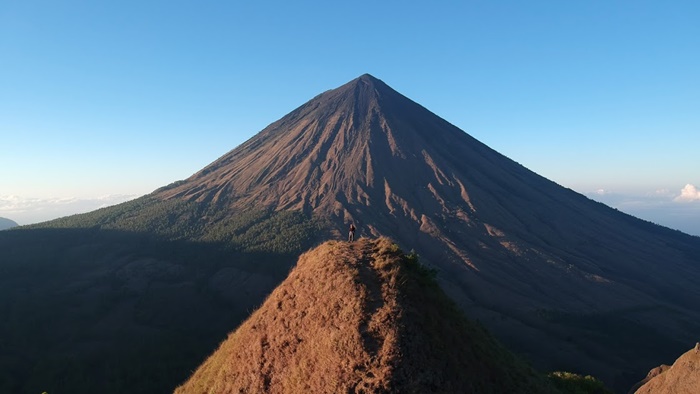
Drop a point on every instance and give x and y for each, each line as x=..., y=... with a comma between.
x=104, y=101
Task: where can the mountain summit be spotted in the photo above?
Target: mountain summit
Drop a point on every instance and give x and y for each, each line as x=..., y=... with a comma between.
x=571, y=283
x=349, y=146
x=361, y=317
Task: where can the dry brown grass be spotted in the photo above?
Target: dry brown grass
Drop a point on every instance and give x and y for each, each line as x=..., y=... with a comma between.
x=346, y=321
x=683, y=377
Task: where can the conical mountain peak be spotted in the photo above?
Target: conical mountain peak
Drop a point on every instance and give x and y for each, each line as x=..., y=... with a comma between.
x=347, y=145
x=368, y=77
x=369, y=80
x=361, y=97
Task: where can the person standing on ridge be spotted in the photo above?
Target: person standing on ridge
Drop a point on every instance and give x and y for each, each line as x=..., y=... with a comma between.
x=351, y=234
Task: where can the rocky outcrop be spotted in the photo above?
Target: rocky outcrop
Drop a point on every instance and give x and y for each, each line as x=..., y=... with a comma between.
x=683, y=377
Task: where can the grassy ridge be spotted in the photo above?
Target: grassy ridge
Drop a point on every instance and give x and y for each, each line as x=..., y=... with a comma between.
x=362, y=317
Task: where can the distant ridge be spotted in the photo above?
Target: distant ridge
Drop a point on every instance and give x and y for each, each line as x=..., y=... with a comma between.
x=363, y=318
x=7, y=223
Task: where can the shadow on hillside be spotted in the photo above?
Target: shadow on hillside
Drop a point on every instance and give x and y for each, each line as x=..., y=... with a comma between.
x=89, y=310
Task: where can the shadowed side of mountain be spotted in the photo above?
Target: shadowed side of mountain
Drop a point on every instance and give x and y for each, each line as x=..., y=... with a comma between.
x=361, y=317
x=85, y=310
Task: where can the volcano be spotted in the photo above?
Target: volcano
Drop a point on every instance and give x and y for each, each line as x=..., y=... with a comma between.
x=539, y=263
x=567, y=282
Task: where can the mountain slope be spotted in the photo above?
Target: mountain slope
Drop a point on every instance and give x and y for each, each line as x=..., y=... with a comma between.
x=360, y=317
x=365, y=153
x=570, y=283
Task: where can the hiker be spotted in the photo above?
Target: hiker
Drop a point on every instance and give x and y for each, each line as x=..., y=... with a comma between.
x=351, y=235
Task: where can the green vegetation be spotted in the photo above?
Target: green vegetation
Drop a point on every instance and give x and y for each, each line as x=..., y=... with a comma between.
x=427, y=276
x=248, y=231
x=571, y=383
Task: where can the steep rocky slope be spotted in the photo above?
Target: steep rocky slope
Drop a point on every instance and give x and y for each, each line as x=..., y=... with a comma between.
x=360, y=318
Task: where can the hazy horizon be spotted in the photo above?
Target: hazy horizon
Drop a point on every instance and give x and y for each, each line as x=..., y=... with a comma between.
x=678, y=211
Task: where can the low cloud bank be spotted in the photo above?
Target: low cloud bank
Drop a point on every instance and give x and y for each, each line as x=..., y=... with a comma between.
x=688, y=193
x=676, y=210
x=29, y=210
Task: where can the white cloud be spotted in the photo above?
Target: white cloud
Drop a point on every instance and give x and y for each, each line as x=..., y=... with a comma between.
x=28, y=210
x=688, y=193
